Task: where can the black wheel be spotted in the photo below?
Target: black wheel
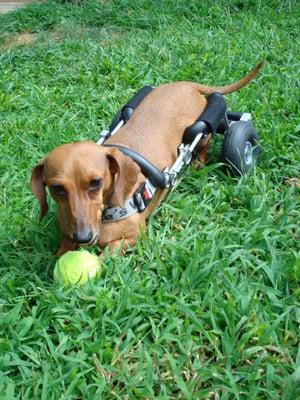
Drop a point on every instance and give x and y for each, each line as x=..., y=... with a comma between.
x=240, y=148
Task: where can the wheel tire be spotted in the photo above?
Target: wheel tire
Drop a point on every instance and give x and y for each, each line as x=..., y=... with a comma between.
x=240, y=148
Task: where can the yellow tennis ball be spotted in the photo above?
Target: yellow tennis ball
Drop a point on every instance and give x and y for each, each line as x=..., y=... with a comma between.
x=76, y=267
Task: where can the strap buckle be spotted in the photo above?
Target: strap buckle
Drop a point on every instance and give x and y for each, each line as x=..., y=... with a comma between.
x=142, y=197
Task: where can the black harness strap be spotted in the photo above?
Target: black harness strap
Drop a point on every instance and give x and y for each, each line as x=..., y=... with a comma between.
x=156, y=177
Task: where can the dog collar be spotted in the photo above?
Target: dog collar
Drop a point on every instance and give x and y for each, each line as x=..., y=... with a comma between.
x=135, y=204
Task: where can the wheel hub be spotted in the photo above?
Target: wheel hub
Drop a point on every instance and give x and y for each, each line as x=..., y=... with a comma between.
x=248, y=153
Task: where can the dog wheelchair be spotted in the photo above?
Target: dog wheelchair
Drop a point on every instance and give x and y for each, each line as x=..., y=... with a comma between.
x=240, y=149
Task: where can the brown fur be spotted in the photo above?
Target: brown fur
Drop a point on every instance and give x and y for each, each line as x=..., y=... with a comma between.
x=155, y=131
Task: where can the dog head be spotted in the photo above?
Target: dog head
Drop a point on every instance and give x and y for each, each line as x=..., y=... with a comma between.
x=82, y=178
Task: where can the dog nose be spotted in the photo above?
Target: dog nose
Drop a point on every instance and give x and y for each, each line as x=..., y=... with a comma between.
x=83, y=237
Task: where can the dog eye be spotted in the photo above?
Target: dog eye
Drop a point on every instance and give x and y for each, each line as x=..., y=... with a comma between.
x=59, y=190
x=95, y=184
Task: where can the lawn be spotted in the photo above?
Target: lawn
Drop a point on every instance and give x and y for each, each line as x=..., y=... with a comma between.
x=207, y=305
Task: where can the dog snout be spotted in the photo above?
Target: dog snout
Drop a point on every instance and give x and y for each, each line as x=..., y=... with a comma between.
x=83, y=237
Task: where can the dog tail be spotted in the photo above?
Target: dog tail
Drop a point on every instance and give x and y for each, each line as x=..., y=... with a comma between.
x=234, y=86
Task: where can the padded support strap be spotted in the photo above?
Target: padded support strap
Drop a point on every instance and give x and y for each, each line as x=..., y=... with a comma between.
x=209, y=120
x=214, y=112
x=156, y=177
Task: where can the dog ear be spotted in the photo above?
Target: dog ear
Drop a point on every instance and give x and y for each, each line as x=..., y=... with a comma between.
x=125, y=173
x=38, y=187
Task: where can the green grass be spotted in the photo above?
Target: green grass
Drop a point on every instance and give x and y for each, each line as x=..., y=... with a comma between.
x=207, y=305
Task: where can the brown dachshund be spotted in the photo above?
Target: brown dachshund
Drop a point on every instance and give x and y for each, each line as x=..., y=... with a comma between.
x=85, y=178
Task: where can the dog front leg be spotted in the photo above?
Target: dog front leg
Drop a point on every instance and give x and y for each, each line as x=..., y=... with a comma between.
x=121, y=245
x=65, y=246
